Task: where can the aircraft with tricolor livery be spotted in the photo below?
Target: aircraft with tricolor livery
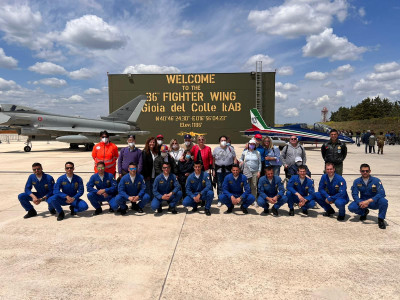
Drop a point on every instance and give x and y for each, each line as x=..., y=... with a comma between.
x=320, y=134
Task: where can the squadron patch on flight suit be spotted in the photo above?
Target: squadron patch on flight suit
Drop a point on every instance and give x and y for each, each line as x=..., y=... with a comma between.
x=374, y=188
x=241, y=184
x=76, y=185
x=96, y=182
x=296, y=183
x=108, y=183
x=191, y=181
x=359, y=185
x=46, y=186
x=63, y=183
x=139, y=183
x=161, y=181
x=203, y=183
x=336, y=187
x=34, y=182
x=230, y=182
x=126, y=182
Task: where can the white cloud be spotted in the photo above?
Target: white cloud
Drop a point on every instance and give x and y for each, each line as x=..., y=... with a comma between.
x=266, y=62
x=315, y=75
x=53, y=82
x=47, y=68
x=285, y=71
x=298, y=17
x=185, y=32
x=327, y=44
x=286, y=86
x=7, y=85
x=150, y=69
x=339, y=94
x=50, y=55
x=81, y=74
x=92, y=32
x=385, y=76
x=7, y=62
x=387, y=67
x=364, y=85
x=342, y=70
x=395, y=93
x=361, y=12
x=281, y=96
x=330, y=84
x=75, y=98
x=93, y=91
x=291, y=112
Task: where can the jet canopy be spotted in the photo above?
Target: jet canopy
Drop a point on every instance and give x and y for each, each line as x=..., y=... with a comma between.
x=17, y=108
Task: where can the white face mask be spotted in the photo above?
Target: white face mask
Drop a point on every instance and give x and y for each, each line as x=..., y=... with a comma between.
x=163, y=154
x=131, y=144
x=187, y=143
x=159, y=142
x=175, y=147
x=223, y=143
x=299, y=163
x=104, y=140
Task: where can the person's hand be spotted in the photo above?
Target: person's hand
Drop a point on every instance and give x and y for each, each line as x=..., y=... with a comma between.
x=37, y=201
x=120, y=175
x=70, y=200
x=187, y=174
x=274, y=199
x=105, y=195
x=233, y=199
x=327, y=201
x=101, y=192
x=364, y=204
x=197, y=198
x=165, y=197
x=34, y=198
x=258, y=175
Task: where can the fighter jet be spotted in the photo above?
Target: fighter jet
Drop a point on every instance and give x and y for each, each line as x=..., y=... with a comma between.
x=304, y=135
x=41, y=126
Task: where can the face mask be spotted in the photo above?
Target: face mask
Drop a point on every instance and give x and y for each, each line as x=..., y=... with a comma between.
x=187, y=143
x=187, y=157
x=159, y=142
x=228, y=144
x=175, y=147
x=131, y=144
x=299, y=163
x=164, y=154
x=251, y=147
x=104, y=140
x=223, y=143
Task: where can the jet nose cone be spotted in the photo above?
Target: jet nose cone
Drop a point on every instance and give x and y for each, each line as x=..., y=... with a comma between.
x=4, y=118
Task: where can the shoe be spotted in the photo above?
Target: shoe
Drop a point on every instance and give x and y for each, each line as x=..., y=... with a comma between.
x=274, y=211
x=328, y=213
x=194, y=209
x=173, y=210
x=53, y=211
x=110, y=210
x=255, y=204
x=381, y=223
x=208, y=213
x=123, y=212
x=73, y=213
x=266, y=210
x=98, y=211
x=203, y=203
x=159, y=210
x=31, y=214
x=340, y=218
x=61, y=216
x=291, y=212
x=119, y=209
x=219, y=204
x=244, y=210
x=364, y=217
x=134, y=206
x=139, y=209
x=305, y=211
x=230, y=209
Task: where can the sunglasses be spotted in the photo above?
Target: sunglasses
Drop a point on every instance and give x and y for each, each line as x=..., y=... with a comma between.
x=35, y=169
x=165, y=167
x=132, y=169
x=293, y=139
x=100, y=168
x=104, y=137
x=69, y=168
x=365, y=171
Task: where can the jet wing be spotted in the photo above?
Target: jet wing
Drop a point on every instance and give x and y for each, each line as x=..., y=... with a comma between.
x=78, y=130
x=4, y=118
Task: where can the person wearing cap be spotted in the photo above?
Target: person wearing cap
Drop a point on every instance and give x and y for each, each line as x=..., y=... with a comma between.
x=250, y=162
x=290, y=152
x=235, y=190
x=334, y=151
x=106, y=152
x=160, y=140
x=293, y=169
x=260, y=148
x=188, y=143
x=129, y=154
x=202, y=153
x=164, y=157
x=300, y=190
x=101, y=187
x=131, y=189
x=166, y=188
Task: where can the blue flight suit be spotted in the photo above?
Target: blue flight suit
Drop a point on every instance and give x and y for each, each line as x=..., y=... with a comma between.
x=163, y=186
x=237, y=188
x=306, y=190
x=195, y=186
x=64, y=188
x=261, y=149
x=335, y=191
x=127, y=188
x=109, y=184
x=267, y=189
x=44, y=187
x=374, y=189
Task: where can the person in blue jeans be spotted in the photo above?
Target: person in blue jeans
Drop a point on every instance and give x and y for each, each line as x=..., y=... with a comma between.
x=368, y=193
x=166, y=188
x=43, y=184
x=235, y=190
x=332, y=190
x=67, y=191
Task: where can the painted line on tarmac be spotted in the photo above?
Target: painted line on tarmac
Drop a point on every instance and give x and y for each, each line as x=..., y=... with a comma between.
x=172, y=258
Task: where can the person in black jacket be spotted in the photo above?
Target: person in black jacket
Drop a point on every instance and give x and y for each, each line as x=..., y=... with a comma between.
x=334, y=151
x=185, y=168
x=150, y=152
x=162, y=158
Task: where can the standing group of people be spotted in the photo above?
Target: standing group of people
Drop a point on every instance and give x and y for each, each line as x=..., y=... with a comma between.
x=162, y=172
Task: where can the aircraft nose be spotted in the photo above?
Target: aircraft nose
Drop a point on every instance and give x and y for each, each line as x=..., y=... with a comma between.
x=4, y=118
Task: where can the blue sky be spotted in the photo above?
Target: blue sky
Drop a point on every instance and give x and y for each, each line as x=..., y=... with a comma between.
x=54, y=55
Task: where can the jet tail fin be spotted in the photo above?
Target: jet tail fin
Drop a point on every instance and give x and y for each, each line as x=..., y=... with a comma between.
x=129, y=112
x=256, y=119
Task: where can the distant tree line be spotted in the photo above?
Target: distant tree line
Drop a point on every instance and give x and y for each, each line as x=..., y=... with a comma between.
x=367, y=109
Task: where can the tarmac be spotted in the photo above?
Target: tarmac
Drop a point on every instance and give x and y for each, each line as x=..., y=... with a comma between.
x=191, y=255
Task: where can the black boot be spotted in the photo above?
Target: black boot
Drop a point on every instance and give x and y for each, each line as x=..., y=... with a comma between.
x=98, y=211
x=52, y=211
x=208, y=213
x=291, y=212
x=73, y=213
x=61, y=216
x=31, y=213
x=364, y=217
x=381, y=223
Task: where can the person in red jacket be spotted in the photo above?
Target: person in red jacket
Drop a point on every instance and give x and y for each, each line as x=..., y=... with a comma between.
x=107, y=152
x=202, y=153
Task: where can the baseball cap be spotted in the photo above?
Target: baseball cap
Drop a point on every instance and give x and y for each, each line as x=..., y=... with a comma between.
x=298, y=158
x=160, y=136
x=164, y=148
x=252, y=141
x=131, y=136
x=187, y=137
x=258, y=136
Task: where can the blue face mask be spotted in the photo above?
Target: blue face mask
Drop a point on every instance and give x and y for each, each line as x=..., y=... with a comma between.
x=251, y=146
x=187, y=156
x=228, y=144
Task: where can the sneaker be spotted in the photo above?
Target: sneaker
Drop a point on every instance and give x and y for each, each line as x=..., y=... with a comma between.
x=219, y=204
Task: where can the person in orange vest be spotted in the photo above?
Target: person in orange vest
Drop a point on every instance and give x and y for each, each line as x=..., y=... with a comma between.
x=107, y=152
